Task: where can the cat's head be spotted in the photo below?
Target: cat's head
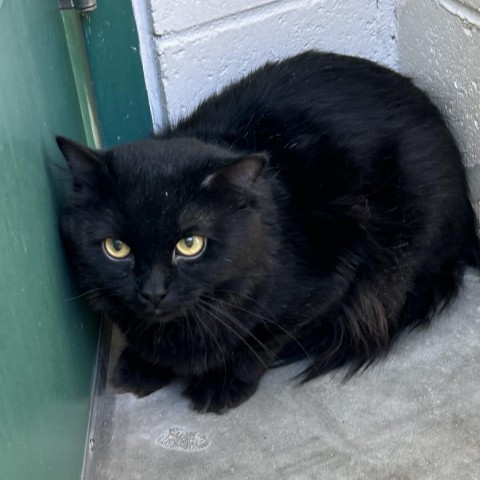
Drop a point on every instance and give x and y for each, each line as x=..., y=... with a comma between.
x=154, y=227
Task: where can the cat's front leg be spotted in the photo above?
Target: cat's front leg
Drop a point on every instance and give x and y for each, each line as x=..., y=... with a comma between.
x=226, y=387
x=132, y=374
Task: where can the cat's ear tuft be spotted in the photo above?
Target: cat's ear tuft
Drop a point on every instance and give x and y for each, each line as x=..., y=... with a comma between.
x=82, y=160
x=241, y=174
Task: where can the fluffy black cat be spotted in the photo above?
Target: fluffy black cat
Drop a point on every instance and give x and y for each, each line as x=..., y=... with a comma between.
x=313, y=209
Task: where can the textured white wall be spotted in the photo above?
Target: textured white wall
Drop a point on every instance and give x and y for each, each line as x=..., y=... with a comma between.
x=439, y=46
x=201, y=45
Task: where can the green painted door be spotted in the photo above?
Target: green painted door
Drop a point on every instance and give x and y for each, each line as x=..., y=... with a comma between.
x=47, y=340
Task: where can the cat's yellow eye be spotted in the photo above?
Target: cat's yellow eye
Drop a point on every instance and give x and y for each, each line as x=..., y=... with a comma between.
x=191, y=246
x=116, y=248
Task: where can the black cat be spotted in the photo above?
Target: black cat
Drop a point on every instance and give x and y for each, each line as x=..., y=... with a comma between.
x=313, y=209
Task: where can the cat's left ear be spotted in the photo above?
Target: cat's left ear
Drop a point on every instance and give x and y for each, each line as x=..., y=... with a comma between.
x=83, y=161
x=242, y=174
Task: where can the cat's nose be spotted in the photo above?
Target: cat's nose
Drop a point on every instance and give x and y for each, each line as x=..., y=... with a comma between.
x=154, y=297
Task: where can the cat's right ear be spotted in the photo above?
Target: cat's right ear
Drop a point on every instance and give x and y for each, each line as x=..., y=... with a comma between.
x=84, y=162
x=241, y=174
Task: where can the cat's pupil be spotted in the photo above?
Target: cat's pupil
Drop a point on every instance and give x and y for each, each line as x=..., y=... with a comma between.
x=117, y=244
x=189, y=242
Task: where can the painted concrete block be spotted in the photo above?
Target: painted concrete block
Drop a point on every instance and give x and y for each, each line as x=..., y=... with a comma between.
x=458, y=4
x=202, y=60
x=176, y=15
x=439, y=47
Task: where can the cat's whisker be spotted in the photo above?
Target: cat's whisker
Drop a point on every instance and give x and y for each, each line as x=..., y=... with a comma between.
x=203, y=331
x=139, y=325
x=238, y=307
x=205, y=305
x=213, y=337
x=81, y=295
x=242, y=327
x=271, y=319
x=247, y=331
x=187, y=330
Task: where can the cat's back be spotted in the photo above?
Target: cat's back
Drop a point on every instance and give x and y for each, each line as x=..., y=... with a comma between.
x=343, y=114
x=310, y=91
x=345, y=136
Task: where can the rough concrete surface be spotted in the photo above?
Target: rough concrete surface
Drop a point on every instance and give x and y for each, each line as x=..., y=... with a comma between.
x=415, y=415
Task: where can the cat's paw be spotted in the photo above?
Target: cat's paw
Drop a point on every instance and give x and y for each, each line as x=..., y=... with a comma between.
x=215, y=394
x=131, y=375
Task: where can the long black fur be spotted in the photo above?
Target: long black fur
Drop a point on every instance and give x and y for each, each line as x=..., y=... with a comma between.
x=336, y=211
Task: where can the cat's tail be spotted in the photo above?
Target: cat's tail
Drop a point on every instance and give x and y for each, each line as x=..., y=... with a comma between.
x=358, y=331
x=355, y=333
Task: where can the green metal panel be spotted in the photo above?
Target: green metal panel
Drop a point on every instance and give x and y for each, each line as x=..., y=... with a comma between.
x=47, y=340
x=114, y=57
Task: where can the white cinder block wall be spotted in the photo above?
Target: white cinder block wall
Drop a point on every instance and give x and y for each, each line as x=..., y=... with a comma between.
x=191, y=48
x=439, y=46
x=202, y=45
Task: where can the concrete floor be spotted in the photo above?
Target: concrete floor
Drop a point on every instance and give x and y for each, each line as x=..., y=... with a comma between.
x=415, y=415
